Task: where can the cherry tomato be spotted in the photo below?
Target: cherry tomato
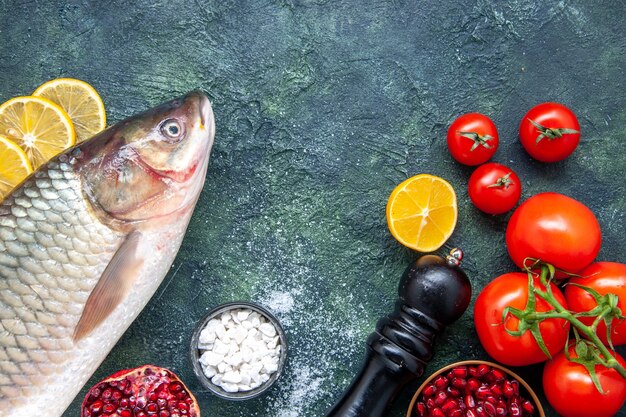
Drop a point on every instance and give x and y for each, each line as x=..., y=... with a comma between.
x=472, y=139
x=570, y=390
x=511, y=290
x=605, y=278
x=555, y=229
x=494, y=188
x=549, y=132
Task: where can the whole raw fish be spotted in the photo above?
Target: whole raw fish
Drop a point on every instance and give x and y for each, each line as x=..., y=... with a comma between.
x=84, y=243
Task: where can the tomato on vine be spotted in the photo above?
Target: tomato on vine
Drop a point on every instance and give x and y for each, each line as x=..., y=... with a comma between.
x=495, y=325
x=472, y=139
x=571, y=391
x=602, y=278
x=549, y=132
x=494, y=188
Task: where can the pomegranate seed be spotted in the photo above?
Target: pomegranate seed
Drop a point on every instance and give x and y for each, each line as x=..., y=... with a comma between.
x=183, y=406
x=480, y=412
x=152, y=408
x=460, y=371
x=498, y=375
x=441, y=382
x=473, y=371
x=501, y=411
x=124, y=402
x=162, y=402
x=420, y=408
x=429, y=390
x=453, y=392
x=483, y=392
x=473, y=384
x=469, y=401
x=141, y=403
x=459, y=382
x=175, y=387
x=164, y=413
x=124, y=413
x=456, y=413
x=152, y=397
x=528, y=407
x=440, y=398
x=470, y=413
x=482, y=370
x=141, y=414
x=95, y=394
x=515, y=386
x=448, y=406
x=96, y=406
x=507, y=389
x=436, y=412
x=108, y=408
x=496, y=389
x=490, y=409
x=514, y=408
x=106, y=394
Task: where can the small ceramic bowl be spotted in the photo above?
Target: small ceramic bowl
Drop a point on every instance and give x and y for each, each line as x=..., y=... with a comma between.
x=196, y=353
x=525, y=389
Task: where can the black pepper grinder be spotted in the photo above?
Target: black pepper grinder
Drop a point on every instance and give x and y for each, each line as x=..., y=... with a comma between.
x=433, y=293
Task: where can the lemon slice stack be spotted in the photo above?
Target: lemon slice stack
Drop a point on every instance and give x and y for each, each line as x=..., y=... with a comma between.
x=34, y=129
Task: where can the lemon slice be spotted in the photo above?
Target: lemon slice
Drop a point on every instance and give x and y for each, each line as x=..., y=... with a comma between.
x=80, y=101
x=422, y=212
x=41, y=128
x=14, y=166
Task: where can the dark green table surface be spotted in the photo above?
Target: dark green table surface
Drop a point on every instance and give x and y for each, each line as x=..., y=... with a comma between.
x=322, y=107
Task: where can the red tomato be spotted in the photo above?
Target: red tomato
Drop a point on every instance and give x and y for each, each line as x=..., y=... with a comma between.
x=605, y=278
x=511, y=290
x=556, y=229
x=570, y=390
x=494, y=188
x=472, y=139
x=549, y=132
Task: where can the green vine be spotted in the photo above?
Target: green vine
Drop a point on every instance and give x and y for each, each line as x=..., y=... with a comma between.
x=589, y=348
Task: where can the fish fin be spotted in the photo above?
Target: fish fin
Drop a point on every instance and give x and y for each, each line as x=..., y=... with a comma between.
x=112, y=287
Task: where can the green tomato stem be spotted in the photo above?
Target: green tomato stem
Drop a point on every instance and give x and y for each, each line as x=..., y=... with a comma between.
x=562, y=313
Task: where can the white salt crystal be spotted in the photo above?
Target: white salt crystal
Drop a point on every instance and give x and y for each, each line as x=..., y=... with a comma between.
x=225, y=318
x=232, y=377
x=243, y=314
x=273, y=343
x=245, y=378
x=234, y=360
x=209, y=371
x=239, y=334
x=220, y=331
x=210, y=358
x=217, y=379
x=222, y=367
x=220, y=347
x=229, y=387
x=267, y=329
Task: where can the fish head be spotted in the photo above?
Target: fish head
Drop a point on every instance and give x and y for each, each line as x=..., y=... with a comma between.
x=152, y=165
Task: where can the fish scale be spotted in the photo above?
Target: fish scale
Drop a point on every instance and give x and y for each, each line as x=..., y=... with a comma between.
x=46, y=274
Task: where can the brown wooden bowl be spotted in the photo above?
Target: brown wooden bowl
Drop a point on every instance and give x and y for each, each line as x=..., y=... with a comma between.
x=531, y=393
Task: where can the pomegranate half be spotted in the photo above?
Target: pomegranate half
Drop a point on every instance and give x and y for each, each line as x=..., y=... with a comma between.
x=141, y=392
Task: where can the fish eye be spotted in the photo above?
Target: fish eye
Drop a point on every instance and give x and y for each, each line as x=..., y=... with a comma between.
x=172, y=129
